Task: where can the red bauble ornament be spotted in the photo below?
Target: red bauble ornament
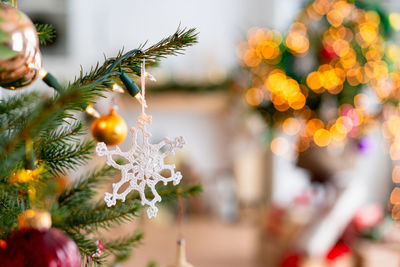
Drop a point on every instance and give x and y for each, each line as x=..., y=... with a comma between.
x=40, y=248
x=327, y=53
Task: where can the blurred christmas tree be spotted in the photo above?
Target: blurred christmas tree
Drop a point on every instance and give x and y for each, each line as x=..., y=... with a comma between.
x=41, y=141
x=334, y=73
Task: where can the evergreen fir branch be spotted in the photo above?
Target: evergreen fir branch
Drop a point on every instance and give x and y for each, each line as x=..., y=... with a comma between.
x=12, y=203
x=51, y=112
x=170, y=192
x=92, y=217
x=121, y=248
x=11, y=162
x=17, y=101
x=63, y=157
x=172, y=45
x=104, y=75
x=86, y=246
x=81, y=191
x=63, y=134
x=16, y=109
x=56, y=132
x=101, y=216
x=46, y=33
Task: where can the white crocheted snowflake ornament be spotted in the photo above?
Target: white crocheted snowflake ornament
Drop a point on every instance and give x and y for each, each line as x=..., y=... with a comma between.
x=145, y=162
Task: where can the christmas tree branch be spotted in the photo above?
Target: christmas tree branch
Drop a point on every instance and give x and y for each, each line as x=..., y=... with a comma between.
x=55, y=131
x=90, y=217
x=46, y=33
x=84, y=188
x=63, y=134
x=121, y=248
x=16, y=109
x=48, y=115
x=12, y=204
x=102, y=216
x=106, y=74
x=63, y=157
x=172, y=45
x=86, y=246
x=170, y=192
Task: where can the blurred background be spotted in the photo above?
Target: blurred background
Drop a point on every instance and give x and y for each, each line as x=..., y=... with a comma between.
x=260, y=206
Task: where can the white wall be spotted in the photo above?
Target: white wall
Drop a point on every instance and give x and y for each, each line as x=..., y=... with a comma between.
x=100, y=26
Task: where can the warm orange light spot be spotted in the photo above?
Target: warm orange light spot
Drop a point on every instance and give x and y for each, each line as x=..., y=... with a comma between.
x=42, y=73
x=254, y=96
x=361, y=101
x=251, y=58
x=298, y=27
x=297, y=102
x=282, y=107
x=330, y=77
x=92, y=111
x=302, y=145
x=117, y=88
x=269, y=49
x=396, y=174
x=394, y=124
x=349, y=59
x=395, y=196
x=322, y=137
x=393, y=53
x=29, y=213
x=291, y=126
x=341, y=47
x=396, y=212
x=313, y=81
x=338, y=132
x=334, y=17
x=275, y=78
x=322, y=7
x=278, y=100
x=279, y=146
x=257, y=35
x=368, y=33
x=372, y=17
x=313, y=125
x=297, y=42
x=354, y=76
x=395, y=151
x=346, y=122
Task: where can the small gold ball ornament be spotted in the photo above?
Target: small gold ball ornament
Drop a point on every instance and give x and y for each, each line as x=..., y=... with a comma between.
x=38, y=219
x=110, y=129
x=19, y=49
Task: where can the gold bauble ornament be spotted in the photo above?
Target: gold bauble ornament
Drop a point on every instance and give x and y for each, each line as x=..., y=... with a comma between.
x=38, y=219
x=19, y=49
x=110, y=129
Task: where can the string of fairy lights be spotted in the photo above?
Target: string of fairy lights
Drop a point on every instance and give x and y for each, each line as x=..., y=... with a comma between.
x=333, y=77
